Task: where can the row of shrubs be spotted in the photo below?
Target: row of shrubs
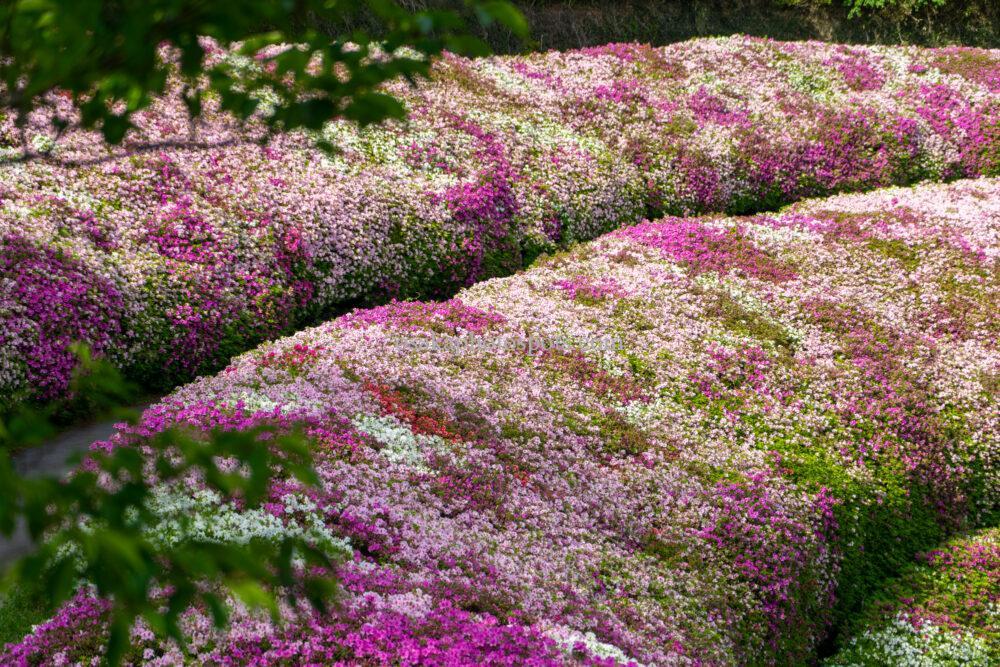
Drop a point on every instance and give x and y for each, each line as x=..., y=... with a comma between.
x=699, y=440
x=170, y=261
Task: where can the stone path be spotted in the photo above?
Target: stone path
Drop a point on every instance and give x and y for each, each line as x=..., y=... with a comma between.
x=51, y=459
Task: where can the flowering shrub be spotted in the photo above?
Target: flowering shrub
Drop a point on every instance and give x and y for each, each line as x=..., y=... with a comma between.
x=944, y=611
x=170, y=261
x=784, y=416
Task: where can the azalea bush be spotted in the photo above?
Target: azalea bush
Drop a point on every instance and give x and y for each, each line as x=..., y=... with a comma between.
x=169, y=261
x=692, y=440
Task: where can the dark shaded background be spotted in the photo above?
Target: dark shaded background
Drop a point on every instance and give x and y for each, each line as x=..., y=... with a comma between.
x=565, y=24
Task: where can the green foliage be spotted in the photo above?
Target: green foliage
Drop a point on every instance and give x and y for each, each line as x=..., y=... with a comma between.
x=861, y=8
x=857, y=7
x=94, y=526
x=742, y=321
x=20, y=608
x=901, y=4
x=884, y=523
x=566, y=24
x=950, y=591
x=105, y=56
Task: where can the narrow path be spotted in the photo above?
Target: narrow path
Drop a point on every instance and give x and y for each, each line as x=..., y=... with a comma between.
x=51, y=458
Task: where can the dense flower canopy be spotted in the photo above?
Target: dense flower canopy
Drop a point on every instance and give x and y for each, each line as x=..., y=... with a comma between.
x=170, y=261
x=691, y=441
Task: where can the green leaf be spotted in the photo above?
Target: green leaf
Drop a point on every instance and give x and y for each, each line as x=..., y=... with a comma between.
x=504, y=13
x=114, y=128
x=368, y=108
x=467, y=45
x=254, y=596
x=118, y=635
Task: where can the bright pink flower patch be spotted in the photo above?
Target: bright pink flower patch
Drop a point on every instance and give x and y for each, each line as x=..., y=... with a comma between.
x=292, y=359
x=54, y=301
x=585, y=288
x=702, y=248
x=857, y=69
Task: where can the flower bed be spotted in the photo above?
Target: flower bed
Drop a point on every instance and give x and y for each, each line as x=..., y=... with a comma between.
x=694, y=440
x=171, y=261
x=944, y=611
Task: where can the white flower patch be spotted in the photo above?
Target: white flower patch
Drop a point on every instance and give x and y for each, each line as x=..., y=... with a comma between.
x=381, y=147
x=936, y=152
x=747, y=299
x=255, y=401
x=12, y=375
x=812, y=79
x=903, y=645
x=344, y=136
x=645, y=414
x=42, y=143
x=401, y=445
x=568, y=639
x=504, y=79
x=251, y=401
x=203, y=516
x=896, y=63
x=781, y=236
x=550, y=134
x=719, y=145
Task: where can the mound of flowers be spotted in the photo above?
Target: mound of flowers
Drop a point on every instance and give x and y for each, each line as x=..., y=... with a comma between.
x=944, y=611
x=695, y=441
x=170, y=261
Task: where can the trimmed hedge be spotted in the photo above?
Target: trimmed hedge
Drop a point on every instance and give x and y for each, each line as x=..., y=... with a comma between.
x=169, y=262
x=695, y=440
